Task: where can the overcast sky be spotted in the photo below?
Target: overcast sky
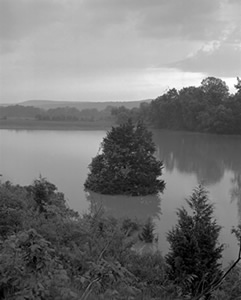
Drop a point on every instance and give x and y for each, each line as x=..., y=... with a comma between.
x=96, y=50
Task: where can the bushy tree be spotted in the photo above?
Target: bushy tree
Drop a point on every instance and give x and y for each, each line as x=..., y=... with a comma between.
x=215, y=90
x=42, y=192
x=12, y=209
x=207, y=108
x=126, y=164
x=194, y=254
x=30, y=269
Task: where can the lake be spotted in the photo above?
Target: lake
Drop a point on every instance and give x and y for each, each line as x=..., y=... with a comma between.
x=63, y=157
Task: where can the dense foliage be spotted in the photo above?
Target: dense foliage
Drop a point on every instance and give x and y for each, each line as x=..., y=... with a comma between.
x=126, y=164
x=207, y=108
x=66, y=114
x=73, y=114
x=194, y=249
x=19, y=111
x=47, y=251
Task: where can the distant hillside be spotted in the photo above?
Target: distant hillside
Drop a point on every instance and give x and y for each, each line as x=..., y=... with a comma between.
x=47, y=104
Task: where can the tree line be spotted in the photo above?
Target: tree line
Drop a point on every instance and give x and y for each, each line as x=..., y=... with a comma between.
x=206, y=108
x=66, y=114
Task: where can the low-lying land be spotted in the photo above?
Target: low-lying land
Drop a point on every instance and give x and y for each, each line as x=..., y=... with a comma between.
x=32, y=124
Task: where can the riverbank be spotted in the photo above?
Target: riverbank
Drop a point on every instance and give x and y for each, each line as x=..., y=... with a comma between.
x=32, y=124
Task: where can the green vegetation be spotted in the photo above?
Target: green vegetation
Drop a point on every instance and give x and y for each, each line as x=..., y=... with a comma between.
x=126, y=164
x=62, y=114
x=147, y=235
x=47, y=251
x=32, y=124
x=18, y=111
x=207, y=108
x=70, y=114
x=194, y=250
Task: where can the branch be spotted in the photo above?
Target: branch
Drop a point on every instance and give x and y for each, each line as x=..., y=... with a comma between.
x=88, y=289
x=215, y=286
x=103, y=250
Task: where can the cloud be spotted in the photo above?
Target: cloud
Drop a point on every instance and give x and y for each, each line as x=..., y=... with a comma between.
x=98, y=22
x=46, y=43
x=157, y=18
x=216, y=58
x=192, y=20
x=20, y=19
x=195, y=20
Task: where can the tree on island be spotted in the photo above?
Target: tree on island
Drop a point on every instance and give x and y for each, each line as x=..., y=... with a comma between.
x=126, y=164
x=195, y=252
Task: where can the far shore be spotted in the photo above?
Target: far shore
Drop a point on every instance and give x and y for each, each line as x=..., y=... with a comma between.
x=31, y=124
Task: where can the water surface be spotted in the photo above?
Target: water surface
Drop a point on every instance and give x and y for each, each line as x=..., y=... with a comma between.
x=63, y=157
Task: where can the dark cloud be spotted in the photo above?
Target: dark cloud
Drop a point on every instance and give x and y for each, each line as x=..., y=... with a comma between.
x=193, y=20
x=197, y=20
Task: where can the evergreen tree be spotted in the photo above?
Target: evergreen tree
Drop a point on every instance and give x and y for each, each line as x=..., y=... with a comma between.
x=126, y=164
x=194, y=254
x=147, y=235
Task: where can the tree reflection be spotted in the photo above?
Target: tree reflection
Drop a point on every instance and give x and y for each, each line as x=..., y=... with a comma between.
x=139, y=207
x=208, y=156
x=236, y=191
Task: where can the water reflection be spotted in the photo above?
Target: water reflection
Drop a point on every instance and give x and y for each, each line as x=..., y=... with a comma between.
x=207, y=156
x=235, y=191
x=140, y=207
x=63, y=157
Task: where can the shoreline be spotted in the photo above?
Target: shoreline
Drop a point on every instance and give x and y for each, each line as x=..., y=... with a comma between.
x=32, y=124
x=27, y=124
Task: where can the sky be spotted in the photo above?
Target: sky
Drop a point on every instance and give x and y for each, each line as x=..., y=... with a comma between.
x=109, y=50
